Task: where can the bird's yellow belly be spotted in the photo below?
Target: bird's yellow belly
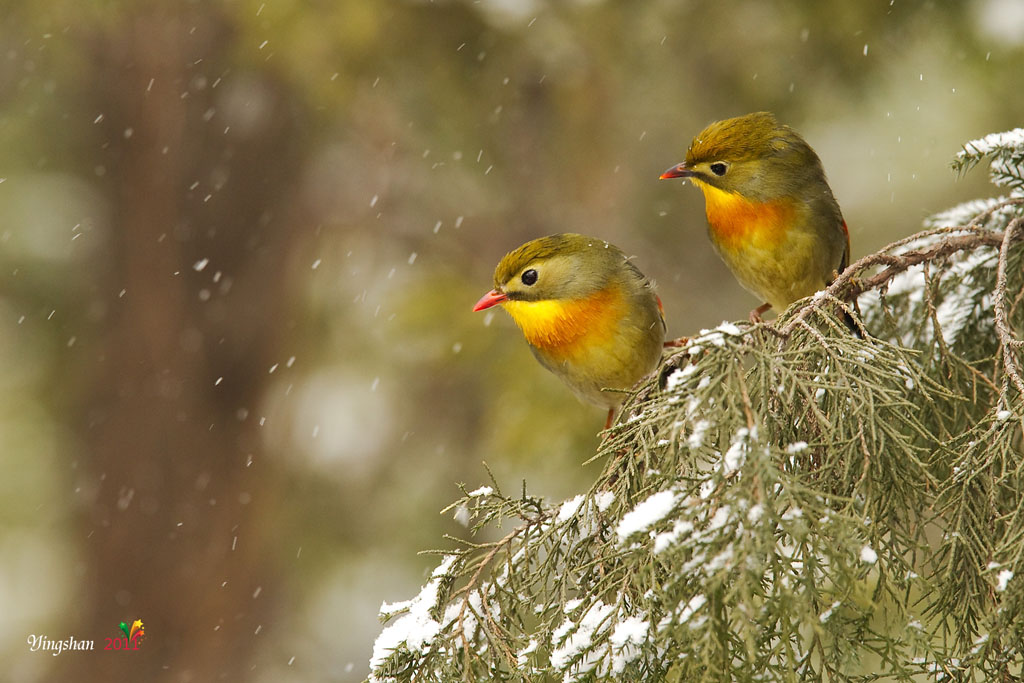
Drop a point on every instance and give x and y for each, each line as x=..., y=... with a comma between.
x=764, y=247
x=737, y=222
x=565, y=327
x=585, y=343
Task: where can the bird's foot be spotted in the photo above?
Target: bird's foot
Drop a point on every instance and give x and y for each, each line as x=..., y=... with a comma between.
x=676, y=343
x=755, y=315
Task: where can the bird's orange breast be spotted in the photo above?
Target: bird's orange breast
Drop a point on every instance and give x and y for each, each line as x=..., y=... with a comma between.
x=564, y=327
x=737, y=221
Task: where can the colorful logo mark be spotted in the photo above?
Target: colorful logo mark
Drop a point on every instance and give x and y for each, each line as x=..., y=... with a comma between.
x=134, y=634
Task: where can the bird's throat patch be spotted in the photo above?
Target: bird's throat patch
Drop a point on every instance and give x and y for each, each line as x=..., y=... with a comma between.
x=559, y=325
x=737, y=221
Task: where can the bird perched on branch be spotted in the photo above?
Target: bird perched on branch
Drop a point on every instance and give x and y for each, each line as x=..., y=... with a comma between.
x=589, y=315
x=771, y=214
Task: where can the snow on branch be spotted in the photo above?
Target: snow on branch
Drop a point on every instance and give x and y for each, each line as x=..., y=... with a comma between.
x=1007, y=153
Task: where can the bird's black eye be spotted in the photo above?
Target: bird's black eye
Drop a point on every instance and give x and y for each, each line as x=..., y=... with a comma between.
x=719, y=168
x=529, y=276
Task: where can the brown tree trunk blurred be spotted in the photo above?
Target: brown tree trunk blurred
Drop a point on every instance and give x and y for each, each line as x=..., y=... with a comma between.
x=201, y=166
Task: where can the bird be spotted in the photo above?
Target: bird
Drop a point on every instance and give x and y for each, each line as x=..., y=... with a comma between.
x=587, y=313
x=771, y=214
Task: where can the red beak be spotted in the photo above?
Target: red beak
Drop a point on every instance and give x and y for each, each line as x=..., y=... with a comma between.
x=677, y=171
x=491, y=298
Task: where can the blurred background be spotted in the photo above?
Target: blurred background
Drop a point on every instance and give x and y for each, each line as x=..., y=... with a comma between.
x=240, y=241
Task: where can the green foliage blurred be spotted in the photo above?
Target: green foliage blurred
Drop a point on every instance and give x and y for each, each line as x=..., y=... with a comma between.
x=250, y=233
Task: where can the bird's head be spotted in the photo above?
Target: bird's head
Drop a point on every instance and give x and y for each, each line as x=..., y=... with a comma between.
x=753, y=155
x=557, y=267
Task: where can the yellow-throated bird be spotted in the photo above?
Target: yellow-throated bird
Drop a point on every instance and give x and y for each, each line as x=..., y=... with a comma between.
x=588, y=314
x=771, y=214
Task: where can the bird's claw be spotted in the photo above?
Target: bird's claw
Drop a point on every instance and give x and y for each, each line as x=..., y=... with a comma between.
x=755, y=315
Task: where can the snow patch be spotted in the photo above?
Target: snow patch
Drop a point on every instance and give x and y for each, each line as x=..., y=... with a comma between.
x=696, y=438
x=628, y=636
x=720, y=561
x=523, y=656
x=571, y=605
x=962, y=214
x=676, y=379
x=824, y=616
x=603, y=500
x=738, y=449
x=792, y=513
x=629, y=630
x=646, y=513
x=582, y=637
x=568, y=509
x=755, y=513
x=1004, y=172
x=695, y=603
x=993, y=142
x=1003, y=579
x=720, y=518
x=668, y=538
x=415, y=629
